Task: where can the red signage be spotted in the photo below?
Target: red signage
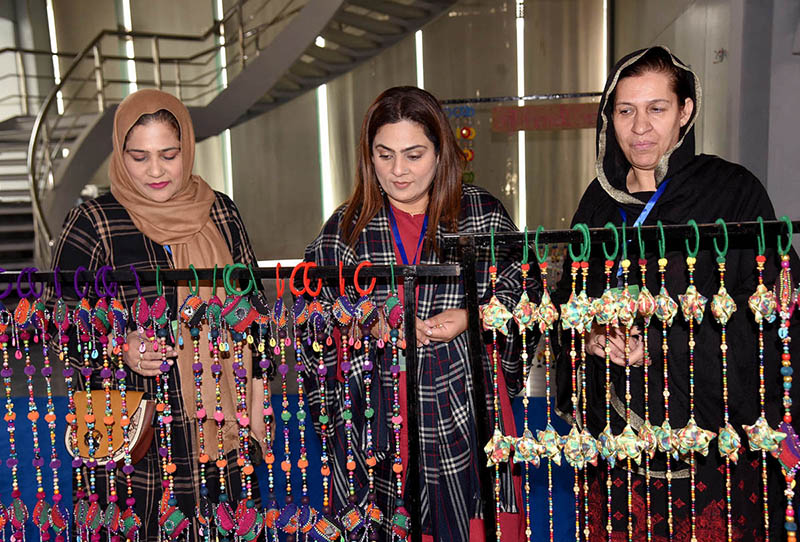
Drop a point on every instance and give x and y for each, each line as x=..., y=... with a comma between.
x=544, y=117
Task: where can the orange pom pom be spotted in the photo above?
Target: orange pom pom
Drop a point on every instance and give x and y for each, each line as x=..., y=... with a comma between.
x=203, y=458
x=108, y=420
x=33, y=416
x=171, y=468
x=221, y=463
x=303, y=463
x=248, y=469
x=286, y=466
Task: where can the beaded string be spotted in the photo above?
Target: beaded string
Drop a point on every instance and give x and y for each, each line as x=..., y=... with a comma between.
x=300, y=319
x=239, y=314
x=215, y=345
x=344, y=314
x=692, y=438
x=55, y=517
x=666, y=308
x=495, y=316
x=646, y=306
x=572, y=444
x=628, y=444
x=393, y=313
x=722, y=308
x=526, y=316
x=17, y=512
x=22, y=320
x=40, y=514
x=787, y=453
x=129, y=521
x=606, y=315
x=317, y=325
x=761, y=436
x=60, y=515
x=101, y=327
x=589, y=446
x=367, y=316
x=85, y=510
x=172, y=521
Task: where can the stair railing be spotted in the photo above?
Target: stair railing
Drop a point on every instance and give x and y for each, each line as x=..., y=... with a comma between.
x=99, y=77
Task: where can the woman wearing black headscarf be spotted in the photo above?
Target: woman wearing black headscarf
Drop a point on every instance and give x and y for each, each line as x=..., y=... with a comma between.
x=647, y=171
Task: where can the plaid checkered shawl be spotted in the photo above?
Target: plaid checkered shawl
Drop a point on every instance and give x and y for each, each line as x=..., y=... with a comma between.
x=100, y=232
x=450, y=450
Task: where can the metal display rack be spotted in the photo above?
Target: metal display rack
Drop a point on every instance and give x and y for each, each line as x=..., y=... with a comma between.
x=468, y=246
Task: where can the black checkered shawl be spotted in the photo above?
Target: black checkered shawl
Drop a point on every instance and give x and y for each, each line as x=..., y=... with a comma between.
x=100, y=232
x=450, y=450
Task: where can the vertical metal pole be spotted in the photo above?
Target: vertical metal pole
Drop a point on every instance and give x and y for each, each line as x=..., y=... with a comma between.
x=468, y=261
x=241, y=36
x=178, y=80
x=23, y=83
x=413, y=469
x=98, y=78
x=156, y=63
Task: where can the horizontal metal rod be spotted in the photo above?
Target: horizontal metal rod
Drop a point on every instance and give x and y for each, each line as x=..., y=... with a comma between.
x=124, y=275
x=529, y=97
x=772, y=228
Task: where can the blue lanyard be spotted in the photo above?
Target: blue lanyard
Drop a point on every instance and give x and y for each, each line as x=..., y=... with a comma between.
x=648, y=206
x=399, y=241
x=645, y=212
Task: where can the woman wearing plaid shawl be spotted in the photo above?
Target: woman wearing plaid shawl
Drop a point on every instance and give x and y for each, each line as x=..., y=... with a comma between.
x=408, y=192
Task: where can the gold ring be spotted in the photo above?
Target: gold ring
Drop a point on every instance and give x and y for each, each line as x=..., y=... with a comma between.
x=139, y=364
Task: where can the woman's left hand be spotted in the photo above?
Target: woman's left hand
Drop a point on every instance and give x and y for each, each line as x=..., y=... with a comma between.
x=444, y=327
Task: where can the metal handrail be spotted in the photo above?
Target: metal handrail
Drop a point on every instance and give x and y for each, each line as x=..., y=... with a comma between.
x=91, y=51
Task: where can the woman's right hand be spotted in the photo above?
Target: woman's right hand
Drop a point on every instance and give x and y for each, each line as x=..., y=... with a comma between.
x=596, y=344
x=147, y=363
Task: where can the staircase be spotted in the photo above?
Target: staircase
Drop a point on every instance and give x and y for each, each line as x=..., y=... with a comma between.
x=270, y=58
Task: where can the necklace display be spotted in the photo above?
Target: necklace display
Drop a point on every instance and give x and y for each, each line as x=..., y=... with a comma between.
x=495, y=317
x=788, y=452
x=666, y=309
x=646, y=307
x=722, y=308
x=761, y=436
x=526, y=316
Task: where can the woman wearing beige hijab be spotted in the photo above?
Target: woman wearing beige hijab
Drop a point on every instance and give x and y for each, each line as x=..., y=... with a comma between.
x=159, y=213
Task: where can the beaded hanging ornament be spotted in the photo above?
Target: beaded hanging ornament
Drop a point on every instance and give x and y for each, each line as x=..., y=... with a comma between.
x=23, y=320
x=344, y=313
x=393, y=315
x=495, y=317
x=327, y=528
x=191, y=312
x=693, y=439
x=36, y=329
x=306, y=514
x=577, y=319
x=88, y=515
x=172, y=521
x=646, y=307
x=666, y=309
x=788, y=451
x=607, y=314
x=238, y=314
x=367, y=316
x=728, y=442
x=101, y=327
x=12, y=462
x=59, y=515
x=526, y=315
x=629, y=446
x=466, y=132
x=761, y=437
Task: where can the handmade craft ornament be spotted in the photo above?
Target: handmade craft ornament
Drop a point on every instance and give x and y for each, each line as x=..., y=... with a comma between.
x=495, y=316
x=692, y=439
x=498, y=449
x=573, y=448
x=527, y=449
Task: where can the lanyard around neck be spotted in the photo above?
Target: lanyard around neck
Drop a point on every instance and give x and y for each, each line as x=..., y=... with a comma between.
x=648, y=206
x=399, y=241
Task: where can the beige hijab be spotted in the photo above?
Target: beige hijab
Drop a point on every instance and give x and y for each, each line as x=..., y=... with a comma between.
x=184, y=223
